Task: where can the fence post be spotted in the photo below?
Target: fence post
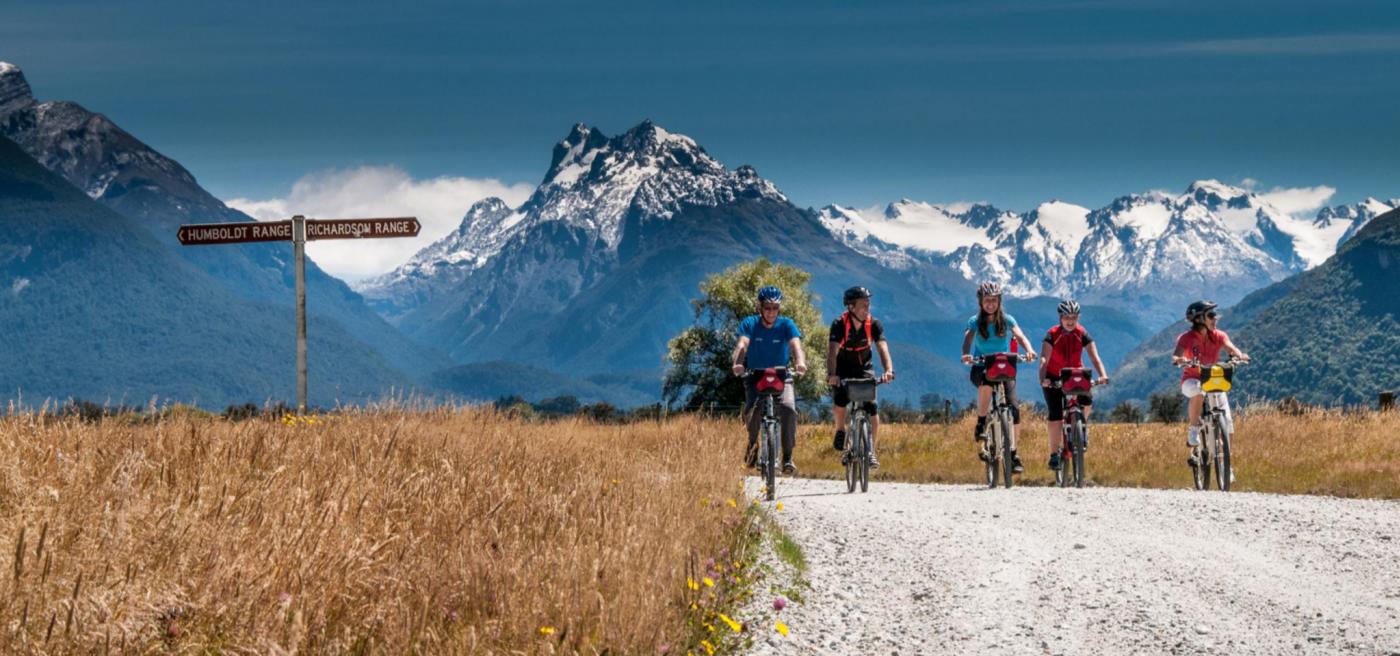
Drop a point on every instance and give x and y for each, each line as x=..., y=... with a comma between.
x=947, y=411
x=1387, y=401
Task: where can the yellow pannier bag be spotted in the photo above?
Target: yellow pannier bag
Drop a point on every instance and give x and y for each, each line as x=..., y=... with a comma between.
x=1216, y=378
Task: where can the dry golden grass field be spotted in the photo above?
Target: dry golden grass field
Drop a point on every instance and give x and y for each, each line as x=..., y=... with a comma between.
x=433, y=532
x=467, y=531
x=1318, y=452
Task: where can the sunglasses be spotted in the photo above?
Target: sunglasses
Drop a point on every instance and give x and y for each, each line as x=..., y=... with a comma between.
x=1211, y=315
x=774, y=308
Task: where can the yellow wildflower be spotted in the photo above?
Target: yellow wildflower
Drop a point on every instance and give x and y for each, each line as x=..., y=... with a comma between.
x=733, y=626
x=709, y=582
x=690, y=583
x=546, y=630
x=782, y=628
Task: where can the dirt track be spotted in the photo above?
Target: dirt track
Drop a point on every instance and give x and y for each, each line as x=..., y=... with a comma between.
x=934, y=569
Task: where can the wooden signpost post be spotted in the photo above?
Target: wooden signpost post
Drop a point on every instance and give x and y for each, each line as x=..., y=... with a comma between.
x=297, y=230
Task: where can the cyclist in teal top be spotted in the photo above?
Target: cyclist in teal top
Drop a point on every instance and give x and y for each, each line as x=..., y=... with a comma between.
x=989, y=332
x=766, y=340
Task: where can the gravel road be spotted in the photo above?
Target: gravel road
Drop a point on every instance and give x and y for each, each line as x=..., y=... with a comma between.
x=946, y=569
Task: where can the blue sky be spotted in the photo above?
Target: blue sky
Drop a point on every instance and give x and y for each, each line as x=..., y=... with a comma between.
x=855, y=103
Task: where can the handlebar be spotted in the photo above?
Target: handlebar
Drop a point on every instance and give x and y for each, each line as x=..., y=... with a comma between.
x=979, y=359
x=1195, y=363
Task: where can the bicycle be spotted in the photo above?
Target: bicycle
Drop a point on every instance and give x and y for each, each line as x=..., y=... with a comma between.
x=769, y=385
x=996, y=451
x=1074, y=383
x=859, y=446
x=1217, y=428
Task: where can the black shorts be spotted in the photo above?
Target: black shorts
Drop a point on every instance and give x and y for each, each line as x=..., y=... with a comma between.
x=841, y=397
x=1055, y=403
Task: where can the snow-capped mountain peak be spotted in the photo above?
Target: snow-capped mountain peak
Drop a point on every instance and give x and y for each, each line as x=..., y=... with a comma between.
x=1214, y=194
x=15, y=93
x=595, y=183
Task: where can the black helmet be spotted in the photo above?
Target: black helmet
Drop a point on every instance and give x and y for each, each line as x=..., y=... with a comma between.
x=855, y=294
x=1068, y=306
x=1197, y=311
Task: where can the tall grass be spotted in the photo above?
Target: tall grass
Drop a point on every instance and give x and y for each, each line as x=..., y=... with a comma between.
x=1317, y=452
x=440, y=532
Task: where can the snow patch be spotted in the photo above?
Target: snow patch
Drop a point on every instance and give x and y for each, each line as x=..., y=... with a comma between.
x=1149, y=219
x=1068, y=223
x=19, y=284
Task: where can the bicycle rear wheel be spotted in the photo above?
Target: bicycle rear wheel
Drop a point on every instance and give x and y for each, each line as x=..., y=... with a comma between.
x=1222, y=456
x=1077, y=445
x=1007, y=462
x=770, y=458
x=864, y=454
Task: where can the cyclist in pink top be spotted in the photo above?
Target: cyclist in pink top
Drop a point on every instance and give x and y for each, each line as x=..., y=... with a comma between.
x=1203, y=342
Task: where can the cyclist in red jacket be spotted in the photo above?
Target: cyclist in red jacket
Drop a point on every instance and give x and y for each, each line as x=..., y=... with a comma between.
x=1203, y=343
x=1063, y=347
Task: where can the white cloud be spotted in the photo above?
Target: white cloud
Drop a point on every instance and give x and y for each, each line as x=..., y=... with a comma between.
x=1298, y=201
x=369, y=191
x=1249, y=183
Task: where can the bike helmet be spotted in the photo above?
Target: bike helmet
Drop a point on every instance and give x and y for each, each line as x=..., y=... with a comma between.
x=988, y=289
x=1198, y=310
x=854, y=294
x=1068, y=306
x=770, y=294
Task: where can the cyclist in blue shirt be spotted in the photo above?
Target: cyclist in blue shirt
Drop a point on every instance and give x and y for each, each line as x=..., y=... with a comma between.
x=989, y=332
x=767, y=340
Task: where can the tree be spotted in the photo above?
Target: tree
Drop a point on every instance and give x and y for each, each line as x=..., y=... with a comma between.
x=1166, y=407
x=698, y=362
x=1126, y=412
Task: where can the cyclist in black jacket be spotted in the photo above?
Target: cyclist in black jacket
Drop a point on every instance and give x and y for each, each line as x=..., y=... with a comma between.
x=854, y=335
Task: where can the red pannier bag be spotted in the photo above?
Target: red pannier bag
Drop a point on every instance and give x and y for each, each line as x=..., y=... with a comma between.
x=1076, y=381
x=1000, y=368
x=770, y=382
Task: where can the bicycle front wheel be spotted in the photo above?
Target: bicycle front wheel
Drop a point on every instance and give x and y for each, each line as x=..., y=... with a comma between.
x=1222, y=456
x=992, y=439
x=1078, y=446
x=864, y=454
x=770, y=459
x=1008, y=463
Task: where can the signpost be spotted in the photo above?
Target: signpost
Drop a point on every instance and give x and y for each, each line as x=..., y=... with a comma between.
x=298, y=230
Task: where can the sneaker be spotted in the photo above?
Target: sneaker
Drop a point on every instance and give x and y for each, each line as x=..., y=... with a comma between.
x=977, y=433
x=789, y=468
x=1191, y=461
x=983, y=455
x=1055, y=461
x=839, y=442
x=874, y=462
x=1193, y=438
x=1016, y=466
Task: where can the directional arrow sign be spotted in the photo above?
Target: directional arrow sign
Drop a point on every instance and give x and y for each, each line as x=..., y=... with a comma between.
x=198, y=234
x=298, y=231
x=361, y=228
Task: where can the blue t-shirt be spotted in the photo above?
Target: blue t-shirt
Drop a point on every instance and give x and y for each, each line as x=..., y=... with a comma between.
x=768, y=347
x=993, y=343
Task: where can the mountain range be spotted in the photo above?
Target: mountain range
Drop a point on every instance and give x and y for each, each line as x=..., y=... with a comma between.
x=578, y=289
x=1326, y=336
x=119, y=171
x=1149, y=253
